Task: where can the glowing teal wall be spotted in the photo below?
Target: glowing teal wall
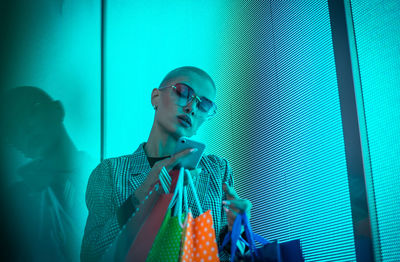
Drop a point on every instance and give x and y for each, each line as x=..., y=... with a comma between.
x=375, y=54
x=145, y=40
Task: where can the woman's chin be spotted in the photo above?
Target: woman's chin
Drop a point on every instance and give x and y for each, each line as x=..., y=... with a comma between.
x=179, y=132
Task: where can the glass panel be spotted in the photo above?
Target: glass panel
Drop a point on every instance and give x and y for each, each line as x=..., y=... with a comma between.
x=52, y=124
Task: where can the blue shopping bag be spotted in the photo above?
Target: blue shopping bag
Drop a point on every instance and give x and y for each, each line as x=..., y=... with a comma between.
x=274, y=251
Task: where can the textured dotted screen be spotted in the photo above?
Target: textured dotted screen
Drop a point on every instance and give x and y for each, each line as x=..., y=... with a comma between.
x=377, y=39
x=286, y=143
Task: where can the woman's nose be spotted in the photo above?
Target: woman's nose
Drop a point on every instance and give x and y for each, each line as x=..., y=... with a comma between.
x=189, y=108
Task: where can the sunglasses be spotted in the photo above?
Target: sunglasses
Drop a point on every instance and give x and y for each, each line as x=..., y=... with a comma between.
x=185, y=94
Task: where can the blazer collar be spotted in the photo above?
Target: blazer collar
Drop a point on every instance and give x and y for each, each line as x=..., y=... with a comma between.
x=140, y=164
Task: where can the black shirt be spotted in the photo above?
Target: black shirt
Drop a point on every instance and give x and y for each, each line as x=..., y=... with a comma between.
x=153, y=160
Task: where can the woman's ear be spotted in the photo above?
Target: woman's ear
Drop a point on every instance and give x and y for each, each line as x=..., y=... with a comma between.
x=155, y=97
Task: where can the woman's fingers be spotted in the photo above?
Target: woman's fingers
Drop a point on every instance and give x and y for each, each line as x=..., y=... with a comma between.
x=234, y=205
x=231, y=216
x=230, y=210
x=176, y=158
x=167, y=164
x=185, y=152
x=241, y=205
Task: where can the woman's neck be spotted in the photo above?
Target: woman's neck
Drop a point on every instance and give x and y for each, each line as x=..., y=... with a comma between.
x=159, y=144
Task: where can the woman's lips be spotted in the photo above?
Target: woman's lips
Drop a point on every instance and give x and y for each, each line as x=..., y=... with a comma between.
x=183, y=122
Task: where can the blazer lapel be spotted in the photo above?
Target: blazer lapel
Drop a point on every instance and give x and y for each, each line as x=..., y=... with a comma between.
x=139, y=167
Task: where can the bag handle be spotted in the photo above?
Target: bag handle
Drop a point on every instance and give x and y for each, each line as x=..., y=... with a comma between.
x=185, y=199
x=180, y=184
x=196, y=197
x=178, y=194
x=234, y=236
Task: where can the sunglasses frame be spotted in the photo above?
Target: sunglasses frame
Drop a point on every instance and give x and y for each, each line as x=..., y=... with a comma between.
x=193, y=97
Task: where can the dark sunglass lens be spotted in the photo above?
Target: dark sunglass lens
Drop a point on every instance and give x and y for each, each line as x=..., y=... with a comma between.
x=182, y=90
x=205, y=105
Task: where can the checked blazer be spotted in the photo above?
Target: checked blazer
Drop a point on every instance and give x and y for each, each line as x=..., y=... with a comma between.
x=114, y=180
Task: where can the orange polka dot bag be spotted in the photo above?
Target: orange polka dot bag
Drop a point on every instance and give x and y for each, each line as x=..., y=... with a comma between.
x=198, y=241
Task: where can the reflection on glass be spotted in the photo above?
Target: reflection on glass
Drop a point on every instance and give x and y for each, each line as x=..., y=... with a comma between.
x=49, y=195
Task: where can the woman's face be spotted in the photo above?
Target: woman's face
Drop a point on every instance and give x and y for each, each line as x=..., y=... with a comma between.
x=169, y=113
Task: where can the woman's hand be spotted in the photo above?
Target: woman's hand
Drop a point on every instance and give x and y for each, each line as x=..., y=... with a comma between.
x=234, y=205
x=157, y=173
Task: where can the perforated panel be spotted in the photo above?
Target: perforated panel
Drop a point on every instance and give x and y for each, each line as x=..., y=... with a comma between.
x=377, y=40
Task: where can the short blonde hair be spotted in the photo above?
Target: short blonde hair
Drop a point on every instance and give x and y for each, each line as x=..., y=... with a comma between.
x=183, y=70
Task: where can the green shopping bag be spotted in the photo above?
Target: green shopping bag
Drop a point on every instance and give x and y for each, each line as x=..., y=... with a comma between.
x=166, y=246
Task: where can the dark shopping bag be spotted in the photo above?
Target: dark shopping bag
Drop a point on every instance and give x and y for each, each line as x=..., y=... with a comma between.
x=269, y=251
x=136, y=238
x=291, y=251
x=143, y=242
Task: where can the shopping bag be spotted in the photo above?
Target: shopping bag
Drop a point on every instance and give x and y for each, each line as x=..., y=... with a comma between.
x=143, y=242
x=146, y=221
x=269, y=251
x=276, y=251
x=166, y=246
x=291, y=251
x=199, y=241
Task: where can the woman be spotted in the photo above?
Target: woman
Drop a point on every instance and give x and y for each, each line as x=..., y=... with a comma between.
x=182, y=103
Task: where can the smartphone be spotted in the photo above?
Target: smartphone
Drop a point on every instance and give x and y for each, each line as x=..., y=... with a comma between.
x=192, y=160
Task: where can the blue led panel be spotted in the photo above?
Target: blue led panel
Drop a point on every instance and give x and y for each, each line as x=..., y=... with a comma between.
x=283, y=114
x=377, y=40
x=299, y=148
